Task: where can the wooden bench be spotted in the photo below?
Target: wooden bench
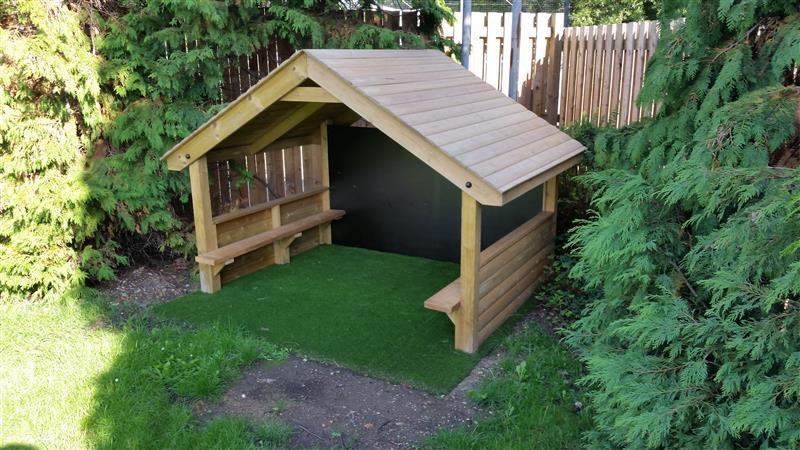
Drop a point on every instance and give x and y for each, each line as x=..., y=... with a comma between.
x=447, y=300
x=281, y=236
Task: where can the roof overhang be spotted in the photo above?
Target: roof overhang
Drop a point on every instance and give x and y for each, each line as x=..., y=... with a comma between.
x=478, y=139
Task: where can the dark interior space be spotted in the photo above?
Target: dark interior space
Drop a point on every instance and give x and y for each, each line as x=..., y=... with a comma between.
x=396, y=203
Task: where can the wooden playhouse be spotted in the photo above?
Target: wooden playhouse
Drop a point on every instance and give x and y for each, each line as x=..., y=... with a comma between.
x=490, y=147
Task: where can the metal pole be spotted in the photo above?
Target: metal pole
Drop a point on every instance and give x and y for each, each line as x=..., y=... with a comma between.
x=466, y=31
x=566, y=13
x=513, y=74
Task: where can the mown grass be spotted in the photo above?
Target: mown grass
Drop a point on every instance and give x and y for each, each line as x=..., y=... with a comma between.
x=531, y=399
x=359, y=308
x=70, y=380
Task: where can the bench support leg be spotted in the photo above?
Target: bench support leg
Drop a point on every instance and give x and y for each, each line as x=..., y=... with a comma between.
x=281, y=247
x=209, y=278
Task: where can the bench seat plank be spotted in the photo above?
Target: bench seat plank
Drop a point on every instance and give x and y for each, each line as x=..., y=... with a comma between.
x=238, y=248
x=447, y=300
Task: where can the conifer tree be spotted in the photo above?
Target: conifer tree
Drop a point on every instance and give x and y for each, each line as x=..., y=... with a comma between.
x=695, y=342
x=51, y=109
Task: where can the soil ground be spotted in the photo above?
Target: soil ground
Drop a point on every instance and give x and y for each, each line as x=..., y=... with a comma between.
x=330, y=407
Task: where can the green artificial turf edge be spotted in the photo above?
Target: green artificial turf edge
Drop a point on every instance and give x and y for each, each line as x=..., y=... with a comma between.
x=359, y=308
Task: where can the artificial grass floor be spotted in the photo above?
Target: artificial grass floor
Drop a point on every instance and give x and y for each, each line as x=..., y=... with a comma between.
x=360, y=308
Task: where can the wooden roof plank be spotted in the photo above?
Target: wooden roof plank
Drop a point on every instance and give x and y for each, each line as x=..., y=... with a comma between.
x=406, y=136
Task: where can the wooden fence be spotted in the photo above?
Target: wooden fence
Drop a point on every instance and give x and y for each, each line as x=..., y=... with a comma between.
x=566, y=74
x=603, y=71
x=490, y=56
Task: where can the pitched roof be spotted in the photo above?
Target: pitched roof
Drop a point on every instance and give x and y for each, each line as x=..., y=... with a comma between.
x=463, y=128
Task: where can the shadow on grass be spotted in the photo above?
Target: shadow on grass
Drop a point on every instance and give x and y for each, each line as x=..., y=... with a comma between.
x=156, y=375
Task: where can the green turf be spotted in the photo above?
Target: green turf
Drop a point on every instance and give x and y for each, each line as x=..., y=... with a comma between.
x=360, y=308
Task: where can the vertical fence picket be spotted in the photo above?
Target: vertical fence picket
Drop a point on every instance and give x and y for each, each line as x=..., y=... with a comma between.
x=494, y=35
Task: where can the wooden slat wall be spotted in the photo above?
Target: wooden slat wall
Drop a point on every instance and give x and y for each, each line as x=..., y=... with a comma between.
x=511, y=269
x=274, y=174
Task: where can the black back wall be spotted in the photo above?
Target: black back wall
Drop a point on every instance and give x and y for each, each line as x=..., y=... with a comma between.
x=396, y=203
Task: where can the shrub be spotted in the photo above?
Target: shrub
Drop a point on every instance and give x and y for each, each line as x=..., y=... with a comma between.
x=695, y=342
x=93, y=93
x=51, y=108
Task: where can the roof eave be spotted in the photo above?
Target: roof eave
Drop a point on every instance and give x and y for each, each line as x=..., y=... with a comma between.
x=280, y=81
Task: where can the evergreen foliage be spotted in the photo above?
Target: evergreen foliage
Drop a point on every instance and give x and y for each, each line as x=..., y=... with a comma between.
x=51, y=108
x=695, y=340
x=92, y=94
x=597, y=12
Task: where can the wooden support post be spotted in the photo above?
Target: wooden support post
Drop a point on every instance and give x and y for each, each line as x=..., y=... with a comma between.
x=325, y=197
x=467, y=315
x=549, y=203
x=279, y=247
x=204, y=228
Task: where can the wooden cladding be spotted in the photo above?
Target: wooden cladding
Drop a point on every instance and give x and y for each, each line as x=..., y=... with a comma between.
x=511, y=269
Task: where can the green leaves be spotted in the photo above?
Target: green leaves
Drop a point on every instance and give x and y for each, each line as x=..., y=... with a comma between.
x=694, y=341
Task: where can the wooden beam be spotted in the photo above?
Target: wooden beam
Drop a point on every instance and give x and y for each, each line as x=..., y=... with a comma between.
x=467, y=314
x=325, y=198
x=239, y=112
x=284, y=125
x=309, y=94
x=226, y=153
x=204, y=227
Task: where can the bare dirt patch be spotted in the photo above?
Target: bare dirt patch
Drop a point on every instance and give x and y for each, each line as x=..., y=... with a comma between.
x=148, y=285
x=333, y=407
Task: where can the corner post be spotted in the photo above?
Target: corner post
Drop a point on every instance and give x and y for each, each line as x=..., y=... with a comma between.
x=325, y=197
x=467, y=325
x=204, y=228
x=550, y=200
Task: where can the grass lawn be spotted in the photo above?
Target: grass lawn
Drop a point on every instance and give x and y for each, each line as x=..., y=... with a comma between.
x=69, y=380
x=531, y=398
x=360, y=308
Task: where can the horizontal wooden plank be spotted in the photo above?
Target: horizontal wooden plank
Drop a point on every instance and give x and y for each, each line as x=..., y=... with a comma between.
x=333, y=54
x=222, y=218
x=511, y=176
x=454, y=111
x=414, y=86
x=437, y=65
x=465, y=101
x=239, y=248
x=341, y=63
x=389, y=79
x=447, y=300
x=508, y=274
x=430, y=94
x=547, y=173
x=468, y=132
x=522, y=125
x=309, y=94
x=541, y=147
x=515, y=281
x=501, y=147
x=487, y=328
x=494, y=250
x=447, y=123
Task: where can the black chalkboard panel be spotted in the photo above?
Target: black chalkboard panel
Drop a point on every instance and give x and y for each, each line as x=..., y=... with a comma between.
x=396, y=203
